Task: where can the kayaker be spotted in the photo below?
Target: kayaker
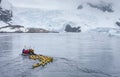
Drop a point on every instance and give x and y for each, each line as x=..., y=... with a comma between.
x=25, y=51
x=31, y=52
x=28, y=52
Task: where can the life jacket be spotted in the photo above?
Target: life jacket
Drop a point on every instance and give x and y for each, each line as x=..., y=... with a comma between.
x=31, y=51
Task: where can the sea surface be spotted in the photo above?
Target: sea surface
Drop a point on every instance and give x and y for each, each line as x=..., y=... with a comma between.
x=75, y=55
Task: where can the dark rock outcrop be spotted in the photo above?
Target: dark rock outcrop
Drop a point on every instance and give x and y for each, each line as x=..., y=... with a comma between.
x=21, y=29
x=12, y=26
x=79, y=7
x=103, y=6
x=37, y=30
x=5, y=15
x=68, y=28
x=118, y=23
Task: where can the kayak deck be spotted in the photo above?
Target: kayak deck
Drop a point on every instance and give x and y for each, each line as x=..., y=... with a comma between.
x=43, y=60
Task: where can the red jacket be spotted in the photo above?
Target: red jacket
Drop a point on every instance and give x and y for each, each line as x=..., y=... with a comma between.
x=26, y=51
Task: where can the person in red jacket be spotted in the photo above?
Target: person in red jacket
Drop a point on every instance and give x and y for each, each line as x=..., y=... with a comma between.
x=28, y=52
x=25, y=51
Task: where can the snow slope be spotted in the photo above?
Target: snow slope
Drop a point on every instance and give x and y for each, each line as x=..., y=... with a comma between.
x=55, y=14
x=2, y=23
x=5, y=4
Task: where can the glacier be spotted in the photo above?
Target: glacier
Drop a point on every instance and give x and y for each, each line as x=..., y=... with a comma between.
x=54, y=15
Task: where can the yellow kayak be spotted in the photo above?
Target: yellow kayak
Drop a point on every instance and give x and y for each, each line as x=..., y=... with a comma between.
x=43, y=60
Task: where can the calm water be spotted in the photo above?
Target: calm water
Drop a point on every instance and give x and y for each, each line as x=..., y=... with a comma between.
x=75, y=55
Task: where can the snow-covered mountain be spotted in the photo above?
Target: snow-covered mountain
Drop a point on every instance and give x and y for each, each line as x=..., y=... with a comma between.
x=54, y=15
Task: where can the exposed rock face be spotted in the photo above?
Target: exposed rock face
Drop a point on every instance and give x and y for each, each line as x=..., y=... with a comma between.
x=118, y=23
x=79, y=7
x=12, y=26
x=103, y=6
x=22, y=29
x=5, y=15
x=68, y=28
x=12, y=29
x=37, y=30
